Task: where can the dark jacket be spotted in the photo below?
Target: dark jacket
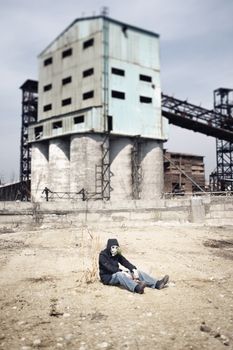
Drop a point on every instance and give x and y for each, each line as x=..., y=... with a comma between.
x=108, y=264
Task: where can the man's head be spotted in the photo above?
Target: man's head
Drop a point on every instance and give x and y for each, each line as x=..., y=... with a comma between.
x=113, y=246
x=114, y=250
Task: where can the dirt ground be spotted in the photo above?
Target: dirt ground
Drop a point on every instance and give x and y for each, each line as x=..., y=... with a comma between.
x=51, y=298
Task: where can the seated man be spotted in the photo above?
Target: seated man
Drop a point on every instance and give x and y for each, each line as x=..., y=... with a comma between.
x=131, y=279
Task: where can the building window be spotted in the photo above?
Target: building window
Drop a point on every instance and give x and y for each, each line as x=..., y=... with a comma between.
x=118, y=71
x=66, y=101
x=48, y=87
x=38, y=132
x=118, y=94
x=79, y=119
x=47, y=107
x=145, y=78
x=110, y=123
x=67, y=53
x=88, y=72
x=66, y=80
x=145, y=99
x=88, y=94
x=57, y=125
x=88, y=43
x=48, y=61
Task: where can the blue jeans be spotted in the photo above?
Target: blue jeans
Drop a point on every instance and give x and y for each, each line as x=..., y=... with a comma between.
x=126, y=282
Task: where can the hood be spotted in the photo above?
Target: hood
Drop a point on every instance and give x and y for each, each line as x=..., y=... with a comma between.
x=111, y=242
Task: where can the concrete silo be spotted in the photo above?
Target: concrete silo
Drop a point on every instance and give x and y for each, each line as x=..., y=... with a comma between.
x=99, y=122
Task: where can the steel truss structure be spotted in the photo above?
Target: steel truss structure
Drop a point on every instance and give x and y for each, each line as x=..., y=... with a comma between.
x=217, y=123
x=222, y=178
x=103, y=173
x=29, y=115
x=196, y=118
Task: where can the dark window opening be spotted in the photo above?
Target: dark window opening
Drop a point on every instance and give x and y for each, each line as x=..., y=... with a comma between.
x=67, y=53
x=66, y=101
x=88, y=94
x=124, y=30
x=79, y=119
x=48, y=87
x=47, y=107
x=109, y=123
x=66, y=80
x=145, y=99
x=88, y=43
x=48, y=61
x=145, y=78
x=57, y=125
x=118, y=71
x=118, y=94
x=88, y=72
x=38, y=132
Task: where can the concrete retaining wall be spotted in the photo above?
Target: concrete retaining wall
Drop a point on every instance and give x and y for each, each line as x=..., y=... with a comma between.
x=202, y=210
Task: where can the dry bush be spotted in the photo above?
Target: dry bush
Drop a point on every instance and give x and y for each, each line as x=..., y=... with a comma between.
x=90, y=273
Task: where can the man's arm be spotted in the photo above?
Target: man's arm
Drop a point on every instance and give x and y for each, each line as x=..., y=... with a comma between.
x=124, y=262
x=104, y=261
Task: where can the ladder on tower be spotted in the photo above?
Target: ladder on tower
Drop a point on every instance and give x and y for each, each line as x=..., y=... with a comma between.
x=103, y=173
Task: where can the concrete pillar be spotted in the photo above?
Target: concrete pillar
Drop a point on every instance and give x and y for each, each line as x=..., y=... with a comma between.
x=152, y=169
x=197, y=210
x=59, y=165
x=121, y=168
x=39, y=170
x=85, y=154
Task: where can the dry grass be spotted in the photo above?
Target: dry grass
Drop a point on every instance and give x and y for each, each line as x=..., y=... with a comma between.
x=90, y=251
x=41, y=279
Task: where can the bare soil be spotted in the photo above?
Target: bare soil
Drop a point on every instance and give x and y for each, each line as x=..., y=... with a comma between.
x=51, y=298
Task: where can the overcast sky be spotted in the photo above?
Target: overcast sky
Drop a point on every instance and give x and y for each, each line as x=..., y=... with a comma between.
x=196, y=39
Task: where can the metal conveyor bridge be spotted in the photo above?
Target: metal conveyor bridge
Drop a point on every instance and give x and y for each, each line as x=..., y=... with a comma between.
x=199, y=119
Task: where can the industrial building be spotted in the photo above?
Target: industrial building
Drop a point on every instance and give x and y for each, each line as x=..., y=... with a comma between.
x=183, y=173
x=99, y=128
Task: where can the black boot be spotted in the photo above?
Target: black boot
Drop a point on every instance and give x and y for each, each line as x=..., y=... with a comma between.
x=161, y=283
x=140, y=288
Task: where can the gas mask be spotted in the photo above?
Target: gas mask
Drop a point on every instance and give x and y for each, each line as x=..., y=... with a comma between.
x=114, y=250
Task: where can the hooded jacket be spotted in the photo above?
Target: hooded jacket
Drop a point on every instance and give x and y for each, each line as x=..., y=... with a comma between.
x=108, y=264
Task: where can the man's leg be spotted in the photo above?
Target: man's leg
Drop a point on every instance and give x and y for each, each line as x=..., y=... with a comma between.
x=153, y=282
x=150, y=281
x=123, y=280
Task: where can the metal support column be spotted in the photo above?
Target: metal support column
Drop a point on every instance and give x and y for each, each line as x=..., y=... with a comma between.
x=103, y=173
x=222, y=178
x=29, y=115
x=105, y=166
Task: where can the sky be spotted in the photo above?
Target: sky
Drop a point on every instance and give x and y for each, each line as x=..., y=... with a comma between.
x=196, y=53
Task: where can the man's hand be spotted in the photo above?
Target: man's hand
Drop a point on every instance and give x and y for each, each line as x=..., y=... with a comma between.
x=135, y=274
x=128, y=274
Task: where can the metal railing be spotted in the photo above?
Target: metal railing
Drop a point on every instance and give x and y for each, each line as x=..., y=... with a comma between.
x=52, y=195
x=182, y=194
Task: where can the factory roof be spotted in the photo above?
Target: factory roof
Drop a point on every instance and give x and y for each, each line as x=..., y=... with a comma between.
x=125, y=25
x=181, y=154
